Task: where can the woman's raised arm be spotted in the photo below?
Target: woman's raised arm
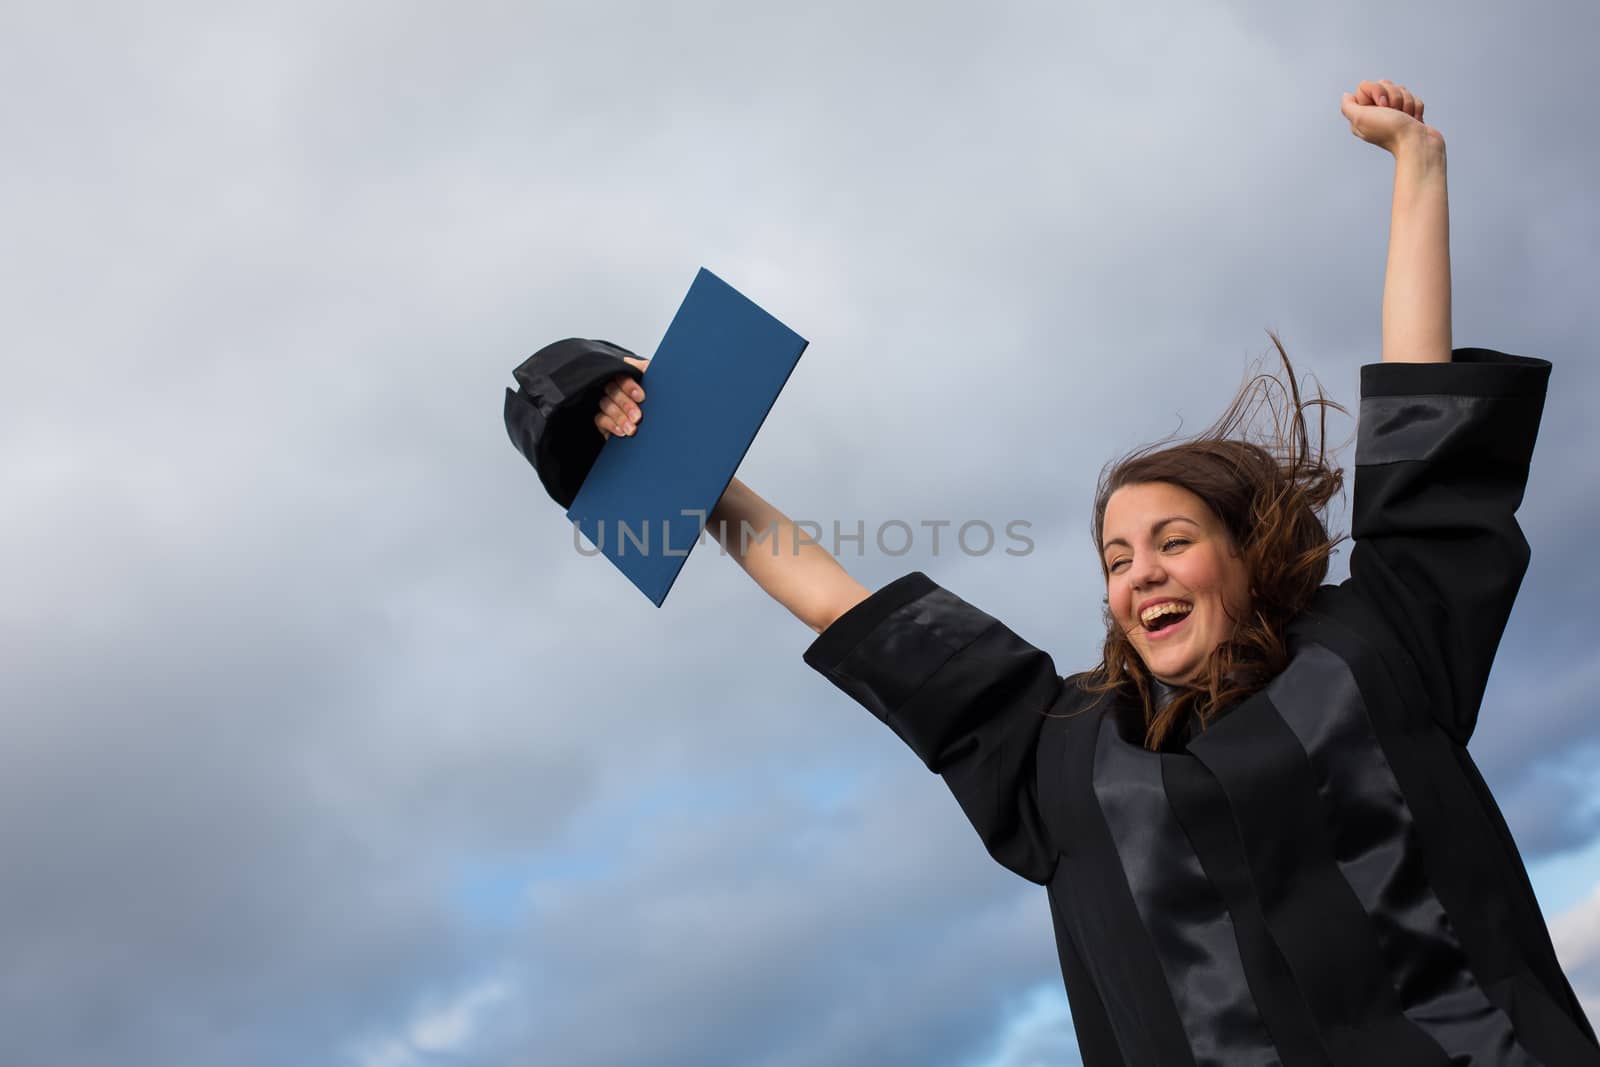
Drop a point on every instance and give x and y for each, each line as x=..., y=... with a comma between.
x=1416, y=288
x=794, y=570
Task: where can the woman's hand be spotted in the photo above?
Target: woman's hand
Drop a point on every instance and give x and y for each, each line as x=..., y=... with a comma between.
x=619, y=408
x=1389, y=116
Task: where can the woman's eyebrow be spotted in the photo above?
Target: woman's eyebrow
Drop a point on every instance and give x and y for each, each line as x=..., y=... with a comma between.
x=1155, y=527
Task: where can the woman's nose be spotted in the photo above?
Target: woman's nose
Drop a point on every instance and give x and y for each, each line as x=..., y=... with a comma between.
x=1147, y=571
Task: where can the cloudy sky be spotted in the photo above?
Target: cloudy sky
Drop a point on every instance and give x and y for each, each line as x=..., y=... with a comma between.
x=322, y=744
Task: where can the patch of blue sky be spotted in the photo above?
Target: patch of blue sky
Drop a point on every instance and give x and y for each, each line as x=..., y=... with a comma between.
x=822, y=787
x=493, y=889
x=826, y=789
x=1565, y=879
x=1036, y=1031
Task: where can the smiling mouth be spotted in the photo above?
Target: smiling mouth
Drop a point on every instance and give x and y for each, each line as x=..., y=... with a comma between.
x=1165, y=616
x=1174, y=625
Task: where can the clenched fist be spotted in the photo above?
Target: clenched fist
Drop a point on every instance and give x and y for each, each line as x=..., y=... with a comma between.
x=1389, y=116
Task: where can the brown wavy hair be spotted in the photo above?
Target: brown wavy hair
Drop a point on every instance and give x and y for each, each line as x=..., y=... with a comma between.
x=1270, y=488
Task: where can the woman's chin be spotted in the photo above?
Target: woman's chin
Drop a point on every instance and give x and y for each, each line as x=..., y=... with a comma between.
x=1174, y=673
x=1167, y=668
x=1173, y=667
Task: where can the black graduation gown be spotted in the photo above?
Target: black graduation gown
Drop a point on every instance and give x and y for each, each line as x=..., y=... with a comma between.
x=1321, y=876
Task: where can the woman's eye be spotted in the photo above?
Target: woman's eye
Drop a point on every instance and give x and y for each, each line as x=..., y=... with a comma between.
x=1115, y=564
x=1169, y=542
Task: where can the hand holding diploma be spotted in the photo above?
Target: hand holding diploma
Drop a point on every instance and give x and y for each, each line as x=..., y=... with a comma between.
x=714, y=377
x=619, y=408
x=796, y=572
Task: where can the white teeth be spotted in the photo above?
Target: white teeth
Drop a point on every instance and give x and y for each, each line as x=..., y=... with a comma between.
x=1175, y=607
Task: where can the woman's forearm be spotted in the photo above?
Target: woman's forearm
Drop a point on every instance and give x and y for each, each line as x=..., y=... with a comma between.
x=794, y=570
x=1416, y=287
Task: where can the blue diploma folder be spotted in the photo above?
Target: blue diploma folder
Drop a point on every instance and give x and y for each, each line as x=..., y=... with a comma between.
x=714, y=377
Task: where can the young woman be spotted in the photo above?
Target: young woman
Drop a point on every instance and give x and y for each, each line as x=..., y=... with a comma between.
x=1263, y=838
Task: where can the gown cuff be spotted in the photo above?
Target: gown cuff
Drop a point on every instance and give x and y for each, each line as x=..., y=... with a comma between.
x=1470, y=372
x=846, y=632
x=1481, y=403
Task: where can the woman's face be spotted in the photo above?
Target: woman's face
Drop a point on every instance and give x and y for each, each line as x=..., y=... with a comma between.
x=1161, y=543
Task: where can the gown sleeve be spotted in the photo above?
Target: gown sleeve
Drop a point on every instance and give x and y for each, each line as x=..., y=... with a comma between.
x=965, y=693
x=1442, y=455
x=550, y=415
